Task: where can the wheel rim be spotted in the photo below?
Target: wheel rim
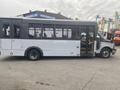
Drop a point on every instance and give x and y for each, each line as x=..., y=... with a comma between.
x=33, y=55
x=106, y=53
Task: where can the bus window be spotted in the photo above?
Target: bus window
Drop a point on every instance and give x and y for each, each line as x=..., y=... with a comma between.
x=35, y=30
x=31, y=32
x=69, y=33
x=38, y=32
x=16, y=31
x=73, y=32
x=6, y=30
x=48, y=33
x=58, y=32
x=77, y=35
x=65, y=33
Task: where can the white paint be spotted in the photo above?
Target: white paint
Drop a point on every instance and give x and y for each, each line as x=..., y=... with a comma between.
x=105, y=44
x=16, y=44
x=49, y=47
x=6, y=44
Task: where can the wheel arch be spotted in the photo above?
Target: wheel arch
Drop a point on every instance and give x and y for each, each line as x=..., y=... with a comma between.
x=107, y=48
x=33, y=47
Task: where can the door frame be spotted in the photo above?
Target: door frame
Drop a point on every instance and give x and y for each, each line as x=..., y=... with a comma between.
x=87, y=49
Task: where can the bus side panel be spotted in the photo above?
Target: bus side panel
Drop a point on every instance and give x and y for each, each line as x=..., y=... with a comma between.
x=49, y=47
x=6, y=44
x=62, y=48
x=5, y=47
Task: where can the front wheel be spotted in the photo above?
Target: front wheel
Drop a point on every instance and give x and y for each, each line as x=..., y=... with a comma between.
x=33, y=54
x=105, y=53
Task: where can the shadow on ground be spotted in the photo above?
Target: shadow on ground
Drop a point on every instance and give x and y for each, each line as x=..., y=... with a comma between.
x=17, y=58
x=14, y=58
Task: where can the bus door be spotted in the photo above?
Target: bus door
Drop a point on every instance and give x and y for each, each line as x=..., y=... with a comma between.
x=5, y=34
x=87, y=42
x=16, y=30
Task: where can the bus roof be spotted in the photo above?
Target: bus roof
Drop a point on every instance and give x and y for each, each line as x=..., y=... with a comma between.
x=53, y=20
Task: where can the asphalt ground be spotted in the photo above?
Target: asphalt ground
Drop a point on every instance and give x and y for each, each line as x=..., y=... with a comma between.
x=55, y=73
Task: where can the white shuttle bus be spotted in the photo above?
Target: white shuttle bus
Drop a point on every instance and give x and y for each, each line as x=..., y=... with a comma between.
x=34, y=38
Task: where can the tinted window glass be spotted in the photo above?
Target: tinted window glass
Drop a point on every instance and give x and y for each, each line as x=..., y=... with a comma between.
x=6, y=30
x=31, y=32
x=16, y=31
x=35, y=31
x=63, y=32
x=58, y=32
x=48, y=31
x=38, y=32
x=69, y=33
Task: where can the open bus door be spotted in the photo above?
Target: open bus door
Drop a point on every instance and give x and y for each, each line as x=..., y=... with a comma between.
x=10, y=31
x=16, y=34
x=87, y=38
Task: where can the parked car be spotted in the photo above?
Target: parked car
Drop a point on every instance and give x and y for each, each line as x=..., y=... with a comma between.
x=116, y=38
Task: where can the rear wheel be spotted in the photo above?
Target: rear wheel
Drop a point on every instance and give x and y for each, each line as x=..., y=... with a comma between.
x=105, y=53
x=33, y=54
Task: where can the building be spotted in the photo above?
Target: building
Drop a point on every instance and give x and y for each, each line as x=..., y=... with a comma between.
x=117, y=20
x=106, y=26
x=43, y=14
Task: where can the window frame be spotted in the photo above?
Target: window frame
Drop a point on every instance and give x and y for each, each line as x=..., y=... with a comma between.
x=4, y=31
x=14, y=31
x=51, y=28
x=75, y=30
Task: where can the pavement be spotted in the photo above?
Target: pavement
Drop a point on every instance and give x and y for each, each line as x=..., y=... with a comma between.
x=18, y=73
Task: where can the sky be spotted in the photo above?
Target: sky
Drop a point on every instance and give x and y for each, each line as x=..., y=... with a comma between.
x=82, y=9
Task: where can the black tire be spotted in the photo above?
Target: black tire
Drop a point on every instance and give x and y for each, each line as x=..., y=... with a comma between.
x=105, y=53
x=33, y=54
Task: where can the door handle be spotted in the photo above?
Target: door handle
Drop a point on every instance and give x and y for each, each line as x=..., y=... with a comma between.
x=77, y=47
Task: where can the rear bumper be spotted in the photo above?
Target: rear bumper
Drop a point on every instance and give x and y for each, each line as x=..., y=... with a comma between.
x=113, y=51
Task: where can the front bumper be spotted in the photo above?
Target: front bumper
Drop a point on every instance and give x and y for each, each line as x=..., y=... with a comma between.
x=113, y=51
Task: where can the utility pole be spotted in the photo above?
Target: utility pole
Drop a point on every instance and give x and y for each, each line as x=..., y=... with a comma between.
x=116, y=20
x=103, y=24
